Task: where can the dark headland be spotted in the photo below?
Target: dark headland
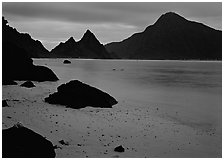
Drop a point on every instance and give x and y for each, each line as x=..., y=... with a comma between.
x=16, y=59
x=171, y=37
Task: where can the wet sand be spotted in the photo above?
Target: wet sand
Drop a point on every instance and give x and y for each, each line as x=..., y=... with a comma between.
x=143, y=130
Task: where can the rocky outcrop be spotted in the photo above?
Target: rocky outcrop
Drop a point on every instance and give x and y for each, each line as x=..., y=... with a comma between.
x=21, y=142
x=76, y=94
x=28, y=84
x=34, y=48
x=171, y=37
x=16, y=63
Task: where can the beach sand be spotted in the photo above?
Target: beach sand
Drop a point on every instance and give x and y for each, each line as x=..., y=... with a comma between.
x=143, y=131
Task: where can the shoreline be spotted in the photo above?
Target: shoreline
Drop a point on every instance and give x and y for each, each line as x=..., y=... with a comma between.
x=218, y=61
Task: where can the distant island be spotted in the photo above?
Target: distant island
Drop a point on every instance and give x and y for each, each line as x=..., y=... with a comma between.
x=171, y=37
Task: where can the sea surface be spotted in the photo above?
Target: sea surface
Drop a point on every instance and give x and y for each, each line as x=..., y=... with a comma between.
x=192, y=89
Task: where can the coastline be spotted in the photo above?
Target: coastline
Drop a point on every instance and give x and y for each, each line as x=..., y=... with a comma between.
x=218, y=61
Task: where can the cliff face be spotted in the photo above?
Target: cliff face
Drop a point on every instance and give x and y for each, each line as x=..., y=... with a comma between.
x=171, y=37
x=24, y=41
x=87, y=47
x=16, y=61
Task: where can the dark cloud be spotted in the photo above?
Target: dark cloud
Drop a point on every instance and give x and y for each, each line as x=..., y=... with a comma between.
x=74, y=12
x=98, y=12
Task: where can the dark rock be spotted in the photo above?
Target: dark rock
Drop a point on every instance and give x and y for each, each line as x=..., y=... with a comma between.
x=6, y=81
x=76, y=94
x=171, y=37
x=21, y=142
x=63, y=142
x=119, y=149
x=28, y=84
x=4, y=103
x=34, y=48
x=67, y=61
x=16, y=65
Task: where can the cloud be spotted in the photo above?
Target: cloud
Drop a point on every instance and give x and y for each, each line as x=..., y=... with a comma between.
x=119, y=12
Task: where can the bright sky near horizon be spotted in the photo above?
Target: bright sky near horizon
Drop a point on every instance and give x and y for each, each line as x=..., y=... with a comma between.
x=52, y=22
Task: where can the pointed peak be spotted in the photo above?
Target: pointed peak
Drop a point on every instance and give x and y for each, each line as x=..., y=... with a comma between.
x=170, y=14
x=88, y=35
x=88, y=32
x=71, y=39
x=170, y=17
x=89, y=38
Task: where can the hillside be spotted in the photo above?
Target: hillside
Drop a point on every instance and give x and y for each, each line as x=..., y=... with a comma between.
x=171, y=37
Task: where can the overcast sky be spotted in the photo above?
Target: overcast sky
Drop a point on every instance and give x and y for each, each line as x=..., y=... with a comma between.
x=52, y=22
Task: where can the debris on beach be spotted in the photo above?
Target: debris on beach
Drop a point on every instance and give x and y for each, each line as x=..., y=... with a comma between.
x=76, y=94
x=28, y=84
x=21, y=142
x=63, y=142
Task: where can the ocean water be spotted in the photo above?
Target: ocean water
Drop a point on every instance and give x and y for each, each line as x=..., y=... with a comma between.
x=190, y=88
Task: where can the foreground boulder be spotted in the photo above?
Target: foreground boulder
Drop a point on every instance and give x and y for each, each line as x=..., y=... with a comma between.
x=67, y=61
x=119, y=149
x=4, y=103
x=76, y=94
x=21, y=142
x=28, y=84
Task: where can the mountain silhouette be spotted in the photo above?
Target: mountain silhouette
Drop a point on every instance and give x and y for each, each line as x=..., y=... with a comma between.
x=16, y=61
x=66, y=49
x=171, y=37
x=24, y=41
x=87, y=47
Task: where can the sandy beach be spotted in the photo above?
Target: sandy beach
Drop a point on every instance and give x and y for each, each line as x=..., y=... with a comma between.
x=143, y=129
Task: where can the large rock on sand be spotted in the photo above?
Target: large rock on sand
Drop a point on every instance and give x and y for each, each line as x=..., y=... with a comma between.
x=76, y=94
x=21, y=142
x=16, y=65
x=28, y=84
